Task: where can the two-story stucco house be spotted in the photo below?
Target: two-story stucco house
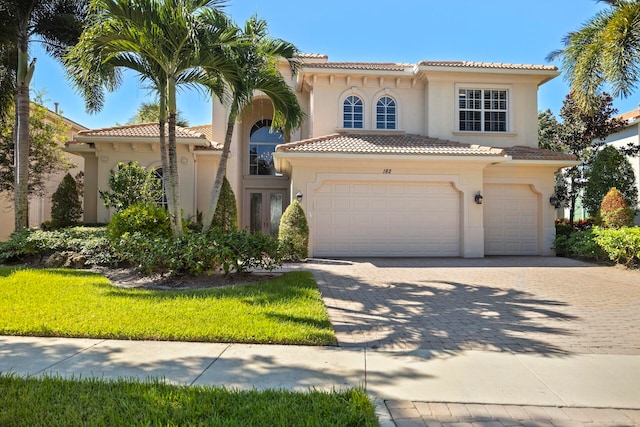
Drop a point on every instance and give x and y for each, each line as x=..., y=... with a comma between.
x=427, y=159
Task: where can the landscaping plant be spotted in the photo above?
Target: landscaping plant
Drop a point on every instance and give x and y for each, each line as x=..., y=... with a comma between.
x=130, y=183
x=609, y=169
x=621, y=245
x=226, y=216
x=90, y=242
x=294, y=232
x=195, y=253
x=614, y=211
x=146, y=218
x=66, y=207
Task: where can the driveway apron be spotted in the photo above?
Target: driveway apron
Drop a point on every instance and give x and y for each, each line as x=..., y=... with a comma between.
x=543, y=305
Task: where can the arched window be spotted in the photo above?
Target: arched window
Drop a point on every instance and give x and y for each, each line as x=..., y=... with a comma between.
x=162, y=201
x=386, y=113
x=352, y=113
x=262, y=145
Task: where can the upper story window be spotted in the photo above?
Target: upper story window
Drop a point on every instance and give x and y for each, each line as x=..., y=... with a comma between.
x=482, y=110
x=262, y=145
x=353, y=113
x=386, y=113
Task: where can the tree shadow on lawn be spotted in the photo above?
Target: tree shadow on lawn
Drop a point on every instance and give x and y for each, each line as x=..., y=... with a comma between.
x=442, y=315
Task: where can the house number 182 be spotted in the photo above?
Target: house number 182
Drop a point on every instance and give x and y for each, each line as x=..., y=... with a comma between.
x=386, y=171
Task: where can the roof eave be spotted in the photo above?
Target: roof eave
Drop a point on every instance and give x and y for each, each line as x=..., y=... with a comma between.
x=542, y=162
x=80, y=148
x=546, y=74
x=200, y=142
x=355, y=71
x=480, y=158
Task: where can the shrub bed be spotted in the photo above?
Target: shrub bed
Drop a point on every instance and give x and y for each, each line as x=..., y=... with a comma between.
x=91, y=242
x=196, y=253
x=581, y=244
x=621, y=245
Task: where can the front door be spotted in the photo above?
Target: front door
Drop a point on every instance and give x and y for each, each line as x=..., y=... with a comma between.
x=265, y=209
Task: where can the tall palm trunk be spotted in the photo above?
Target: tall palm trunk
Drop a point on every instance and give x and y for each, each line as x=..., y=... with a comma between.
x=21, y=152
x=220, y=173
x=164, y=159
x=174, y=203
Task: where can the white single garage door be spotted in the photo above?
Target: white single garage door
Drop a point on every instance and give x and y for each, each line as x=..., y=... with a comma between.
x=386, y=219
x=510, y=220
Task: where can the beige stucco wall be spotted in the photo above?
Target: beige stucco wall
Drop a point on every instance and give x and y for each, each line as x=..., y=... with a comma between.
x=442, y=116
x=148, y=155
x=206, y=167
x=329, y=92
x=40, y=206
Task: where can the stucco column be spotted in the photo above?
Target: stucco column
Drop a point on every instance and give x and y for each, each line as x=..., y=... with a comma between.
x=472, y=215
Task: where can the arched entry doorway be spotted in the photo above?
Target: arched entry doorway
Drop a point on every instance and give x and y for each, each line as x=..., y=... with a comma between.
x=266, y=192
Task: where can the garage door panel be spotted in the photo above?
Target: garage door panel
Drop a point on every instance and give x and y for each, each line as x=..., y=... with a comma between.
x=510, y=220
x=386, y=219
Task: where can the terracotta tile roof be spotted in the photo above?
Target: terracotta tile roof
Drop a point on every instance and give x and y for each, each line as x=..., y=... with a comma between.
x=207, y=130
x=393, y=66
x=366, y=66
x=529, y=153
x=499, y=65
x=386, y=144
x=629, y=115
x=312, y=55
x=140, y=130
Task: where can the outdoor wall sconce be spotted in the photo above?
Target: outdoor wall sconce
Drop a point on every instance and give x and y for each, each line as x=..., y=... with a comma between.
x=299, y=196
x=554, y=201
x=478, y=198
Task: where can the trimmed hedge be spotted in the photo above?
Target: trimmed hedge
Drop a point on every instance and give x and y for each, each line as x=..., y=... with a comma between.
x=294, y=232
x=196, y=253
x=621, y=245
x=92, y=242
x=579, y=243
x=145, y=218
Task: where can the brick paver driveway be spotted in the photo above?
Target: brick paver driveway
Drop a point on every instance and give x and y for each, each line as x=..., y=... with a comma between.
x=519, y=304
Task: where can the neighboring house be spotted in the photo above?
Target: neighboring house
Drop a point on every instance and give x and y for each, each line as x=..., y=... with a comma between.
x=40, y=206
x=629, y=135
x=427, y=159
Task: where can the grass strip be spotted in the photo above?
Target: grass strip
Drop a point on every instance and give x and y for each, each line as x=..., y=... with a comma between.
x=49, y=401
x=70, y=303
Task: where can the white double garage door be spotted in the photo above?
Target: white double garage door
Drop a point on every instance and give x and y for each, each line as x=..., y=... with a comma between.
x=405, y=219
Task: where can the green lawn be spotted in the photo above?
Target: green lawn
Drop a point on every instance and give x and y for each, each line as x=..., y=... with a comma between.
x=92, y=402
x=70, y=303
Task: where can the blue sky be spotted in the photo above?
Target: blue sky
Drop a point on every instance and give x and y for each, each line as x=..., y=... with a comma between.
x=376, y=31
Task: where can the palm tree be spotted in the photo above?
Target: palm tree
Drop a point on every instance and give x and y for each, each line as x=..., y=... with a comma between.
x=150, y=111
x=256, y=60
x=604, y=51
x=55, y=23
x=161, y=42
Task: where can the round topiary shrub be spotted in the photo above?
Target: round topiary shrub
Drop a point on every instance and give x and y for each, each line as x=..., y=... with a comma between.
x=294, y=233
x=226, y=215
x=614, y=211
x=146, y=218
x=66, y=207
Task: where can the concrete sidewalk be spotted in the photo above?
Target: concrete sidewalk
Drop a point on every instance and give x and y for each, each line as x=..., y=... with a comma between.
x=399, y=377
